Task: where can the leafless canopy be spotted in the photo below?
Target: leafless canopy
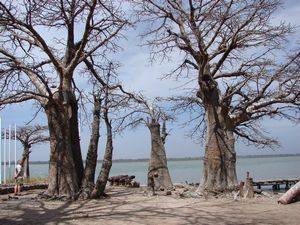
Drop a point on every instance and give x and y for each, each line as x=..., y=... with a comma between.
x=233, y=46
x=31, y=135
x=127, y=108
x=43, y=42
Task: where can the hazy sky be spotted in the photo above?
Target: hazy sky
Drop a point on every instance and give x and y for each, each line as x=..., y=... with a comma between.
x=137, y=74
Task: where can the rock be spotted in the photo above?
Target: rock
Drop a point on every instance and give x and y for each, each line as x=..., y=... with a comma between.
x=135, y=184
x=257, y=191
x=179, y=185
x=168, y=192
x=267, y=194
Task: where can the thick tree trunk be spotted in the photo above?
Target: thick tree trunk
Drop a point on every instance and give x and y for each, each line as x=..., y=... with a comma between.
x=65, y=165
x=290, y=195
x=91, y=158
x=27, y=171
x=107, y=161
x=158, y=172
x=219, y=170
x=26, y=153
x=75, y=138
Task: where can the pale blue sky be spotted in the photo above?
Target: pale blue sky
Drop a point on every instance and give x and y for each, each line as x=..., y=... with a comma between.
x=137, y=74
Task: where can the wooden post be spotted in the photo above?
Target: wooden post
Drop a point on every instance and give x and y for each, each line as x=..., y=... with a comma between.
x=286, y=185
x=290, y=194
x=248, y=187
x=241, y=189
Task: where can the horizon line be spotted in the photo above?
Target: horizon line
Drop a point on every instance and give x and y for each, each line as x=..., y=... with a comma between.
x=185, y=158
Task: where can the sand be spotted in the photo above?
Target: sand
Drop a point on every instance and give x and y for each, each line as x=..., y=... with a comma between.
x=132, y=206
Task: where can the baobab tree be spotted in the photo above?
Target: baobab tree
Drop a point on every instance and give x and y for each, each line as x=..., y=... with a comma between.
x=88, y=181
x=110, y=98
x=29, y=136
x=152, y=116
x=42, y=45
x=109, y=102
x=158, y=171
x=233, y=52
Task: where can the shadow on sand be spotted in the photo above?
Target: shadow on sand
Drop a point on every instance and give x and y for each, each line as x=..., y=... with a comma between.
x=127, y=206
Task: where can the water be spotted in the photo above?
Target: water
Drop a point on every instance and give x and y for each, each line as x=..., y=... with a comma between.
x=279, y=167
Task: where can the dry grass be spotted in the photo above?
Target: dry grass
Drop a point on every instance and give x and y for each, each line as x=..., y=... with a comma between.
x=31, y=180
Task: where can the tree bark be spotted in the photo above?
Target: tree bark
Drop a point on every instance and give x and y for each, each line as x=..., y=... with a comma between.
x=102, y=179
x=290, y=195
x=219, y=173
x=27, y=170
x=26, y=163
x=248, y=191
x=65, y=164
x=158, y=160
x=91, y=158
x=75, y=138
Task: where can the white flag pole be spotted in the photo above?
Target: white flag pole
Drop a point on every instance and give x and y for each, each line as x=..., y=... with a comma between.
x=4, y=157
x=15, y=145
x=9, y=151
x=0, y=150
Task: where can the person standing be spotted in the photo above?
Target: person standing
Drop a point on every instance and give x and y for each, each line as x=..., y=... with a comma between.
x=19, y=177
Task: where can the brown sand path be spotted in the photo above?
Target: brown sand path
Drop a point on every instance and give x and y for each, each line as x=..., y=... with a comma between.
x=132, y=206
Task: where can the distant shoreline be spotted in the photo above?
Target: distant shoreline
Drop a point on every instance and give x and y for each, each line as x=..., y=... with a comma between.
x=185, y=158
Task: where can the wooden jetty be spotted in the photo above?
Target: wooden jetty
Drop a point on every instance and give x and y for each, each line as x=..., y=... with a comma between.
x=276, y=183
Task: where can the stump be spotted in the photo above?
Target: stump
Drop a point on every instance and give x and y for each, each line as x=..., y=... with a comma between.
x=248, y=191
x=241, y=189
x=290, y=194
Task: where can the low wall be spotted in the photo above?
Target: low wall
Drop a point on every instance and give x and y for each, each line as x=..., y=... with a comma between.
x=7, y=189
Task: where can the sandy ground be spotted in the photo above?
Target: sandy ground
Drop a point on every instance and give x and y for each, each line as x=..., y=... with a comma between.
x=133, y=206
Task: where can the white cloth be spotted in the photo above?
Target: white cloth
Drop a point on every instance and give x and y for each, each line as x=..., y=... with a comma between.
x=19, y=168
x=18, y=172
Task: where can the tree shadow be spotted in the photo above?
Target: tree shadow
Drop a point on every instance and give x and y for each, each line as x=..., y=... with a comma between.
x=126, y=206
